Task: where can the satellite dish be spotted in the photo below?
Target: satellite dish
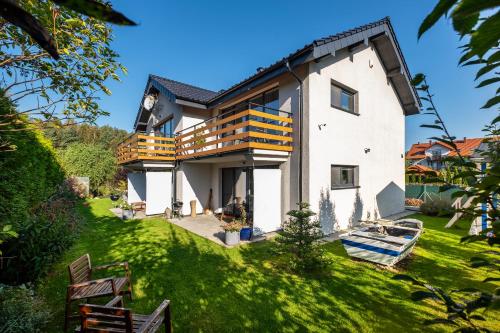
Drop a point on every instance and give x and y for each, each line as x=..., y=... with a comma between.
x=149, y=102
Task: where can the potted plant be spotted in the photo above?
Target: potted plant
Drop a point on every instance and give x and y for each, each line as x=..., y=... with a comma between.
x=246, y=230
x=127, y=212
x=232, y=231
x=115, y=195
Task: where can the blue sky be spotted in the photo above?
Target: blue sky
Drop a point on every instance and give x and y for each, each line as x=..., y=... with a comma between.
x=215, y=44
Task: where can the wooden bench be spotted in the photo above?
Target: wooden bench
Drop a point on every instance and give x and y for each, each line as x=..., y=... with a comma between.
x=139, y=206
x=113, y=317
x=83, y=287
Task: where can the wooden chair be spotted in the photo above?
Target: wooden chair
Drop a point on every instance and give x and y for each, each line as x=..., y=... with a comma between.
x=83, y=287
x=113, y=317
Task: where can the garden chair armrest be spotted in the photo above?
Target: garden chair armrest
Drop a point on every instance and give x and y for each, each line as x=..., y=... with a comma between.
x=164, y=306
x=115, y=302
x=114, y=264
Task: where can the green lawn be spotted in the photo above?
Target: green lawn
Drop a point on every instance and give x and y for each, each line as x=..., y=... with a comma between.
x=214, y=289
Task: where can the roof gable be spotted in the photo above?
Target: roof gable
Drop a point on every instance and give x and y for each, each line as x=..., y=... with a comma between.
x=380, y=33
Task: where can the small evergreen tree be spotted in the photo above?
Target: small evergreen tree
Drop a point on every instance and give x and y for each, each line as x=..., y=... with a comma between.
x=299, y=240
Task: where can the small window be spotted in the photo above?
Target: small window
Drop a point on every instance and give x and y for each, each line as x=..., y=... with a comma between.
x=343, y=98
x=345, y=176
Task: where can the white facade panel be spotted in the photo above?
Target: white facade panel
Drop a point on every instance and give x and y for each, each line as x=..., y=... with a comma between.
x=136, y=189
x=158, y=191
x=372, y=140
x=267, y=200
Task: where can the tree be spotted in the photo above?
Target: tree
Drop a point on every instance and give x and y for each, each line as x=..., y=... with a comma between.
x=473, y=21
x=57, y=90
x=15, y=14
x=105, y=136
x=89, y=160
x=299, y=240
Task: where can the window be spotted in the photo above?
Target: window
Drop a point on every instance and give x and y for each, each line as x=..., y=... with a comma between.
x=343, y=98
x=165, y=128
x=345, y=176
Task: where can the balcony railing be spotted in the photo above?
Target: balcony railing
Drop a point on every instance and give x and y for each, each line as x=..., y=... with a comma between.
x=256, y=127
x=266, y=128
x=140, y=147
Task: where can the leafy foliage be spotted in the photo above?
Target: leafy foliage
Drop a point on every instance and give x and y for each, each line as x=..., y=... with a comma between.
x=461, y=305
x=30, y=172
x=479, y=23
x=21, y=310
x=35, y=204
x=56, y=90
x=471, y=19
x=13, y=13
x=299, y=240
x=44, y=234
x=88, y=160
x=105, y=136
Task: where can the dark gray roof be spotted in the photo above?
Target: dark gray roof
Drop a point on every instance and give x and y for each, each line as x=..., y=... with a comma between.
x=317, y=49
x=185, y=91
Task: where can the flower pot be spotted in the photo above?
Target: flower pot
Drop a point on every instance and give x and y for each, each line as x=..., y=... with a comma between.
x=127, y=214
x=232, y=237
x=246, y=233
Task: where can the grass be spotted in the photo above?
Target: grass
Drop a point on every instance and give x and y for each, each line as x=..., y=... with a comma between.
x=214, y=289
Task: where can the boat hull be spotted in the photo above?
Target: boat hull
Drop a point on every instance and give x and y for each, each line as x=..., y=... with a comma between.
x=376, y=244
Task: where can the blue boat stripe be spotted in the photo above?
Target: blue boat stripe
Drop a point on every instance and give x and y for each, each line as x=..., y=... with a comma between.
x=484, y=217
x=371, y=248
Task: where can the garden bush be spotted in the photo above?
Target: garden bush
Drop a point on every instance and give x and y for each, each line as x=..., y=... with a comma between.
x=93, y=161
x=437, y=207
x=34, y=201
x=21, y=310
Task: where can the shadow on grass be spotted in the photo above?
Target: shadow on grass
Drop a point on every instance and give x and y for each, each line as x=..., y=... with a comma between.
x=214, y=289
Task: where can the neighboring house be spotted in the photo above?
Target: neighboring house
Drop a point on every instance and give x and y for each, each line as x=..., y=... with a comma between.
x=431, y=154
x=325, y=125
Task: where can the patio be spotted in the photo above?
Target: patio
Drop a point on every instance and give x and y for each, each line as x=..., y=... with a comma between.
x=210, y=227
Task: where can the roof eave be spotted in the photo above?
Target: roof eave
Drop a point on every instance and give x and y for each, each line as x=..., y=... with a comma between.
x=384, y=40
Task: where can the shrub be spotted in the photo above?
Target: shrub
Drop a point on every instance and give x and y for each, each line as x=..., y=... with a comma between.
x=43, y=236
x=93, y=161
x=30, y=202
x=21, y=310
x=413, y=202
x=299, y=240
x=437, y=207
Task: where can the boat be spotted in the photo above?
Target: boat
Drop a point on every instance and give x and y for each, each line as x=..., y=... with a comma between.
x=384, y=244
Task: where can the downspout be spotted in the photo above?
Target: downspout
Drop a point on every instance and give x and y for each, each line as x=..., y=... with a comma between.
x=301, y=106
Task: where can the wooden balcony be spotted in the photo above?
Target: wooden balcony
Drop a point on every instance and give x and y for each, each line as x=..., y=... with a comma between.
x=139, y=147
x=236, y=131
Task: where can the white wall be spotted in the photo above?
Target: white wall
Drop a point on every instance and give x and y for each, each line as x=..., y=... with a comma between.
x=136, y=187
x=380, y=127
x=267, y=200
x=158, y=191
x=195, y=184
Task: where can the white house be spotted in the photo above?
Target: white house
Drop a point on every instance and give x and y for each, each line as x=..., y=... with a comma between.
x=324, y=125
